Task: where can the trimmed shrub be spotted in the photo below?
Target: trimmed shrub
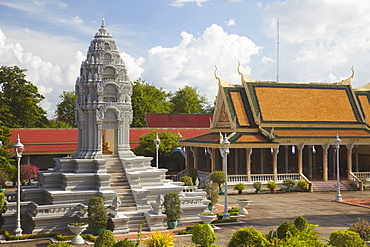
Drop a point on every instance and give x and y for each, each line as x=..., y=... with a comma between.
x=212, y=193
x=283, y=229
x=97, y=212
x=247, y=236
x=172, y=206
x=159, y=239
x=301, y=223
x=218, y=177
x=188, y=181
x=106, y=239
x=346, y=239
x=203, y=235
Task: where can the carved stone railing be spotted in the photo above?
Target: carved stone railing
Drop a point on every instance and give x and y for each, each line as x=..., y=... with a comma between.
x=355, y=179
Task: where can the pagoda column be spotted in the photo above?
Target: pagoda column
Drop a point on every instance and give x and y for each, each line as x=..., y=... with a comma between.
x=325, y=148
x=196, y=158
x=356, y=158
x=262, y=160
x=275, y=152
x=300, y=160
x=214, y=160
x=349, y=160
x=309, y=159
x=286, y=158
x=187, y=160
x=248, y=154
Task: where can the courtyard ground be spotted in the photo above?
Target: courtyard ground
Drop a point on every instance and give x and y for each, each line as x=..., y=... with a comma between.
x=268, y=210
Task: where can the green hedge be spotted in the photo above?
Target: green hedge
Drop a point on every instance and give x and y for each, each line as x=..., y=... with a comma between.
x=57, y=236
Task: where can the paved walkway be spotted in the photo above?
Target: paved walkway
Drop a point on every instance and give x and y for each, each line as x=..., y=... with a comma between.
x=269, y=210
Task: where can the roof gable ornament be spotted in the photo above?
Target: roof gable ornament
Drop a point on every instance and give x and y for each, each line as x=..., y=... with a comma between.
x=348, y=81
x=244, y=78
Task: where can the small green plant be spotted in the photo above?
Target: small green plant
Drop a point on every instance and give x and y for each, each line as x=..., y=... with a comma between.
x=257, y=186
x=106, y=239
x=362, y=227
x=2, y=209
x=188, y=181
x=172, y=206
x=78, y=224
x=218, y=177
x=244, y=200
x=97, y=212
x=60, y=244
x=346, y=239
x=203, y=235
x=239, y=187
x=159, y=239
x=302, y=184
x=271, y=185
x=212, y=193
x=231, y=220
x=289, y=183
x=207, y=214
x=247, y=236
x=125, y=243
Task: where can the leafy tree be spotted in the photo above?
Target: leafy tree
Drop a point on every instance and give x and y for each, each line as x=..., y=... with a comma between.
x=19, y=100
x=147, y=98
x=5, y=153
x=168, y=142
x=66, y=108
x=188, y=100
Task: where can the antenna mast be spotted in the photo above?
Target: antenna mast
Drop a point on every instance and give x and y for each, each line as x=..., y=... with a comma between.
x=277, y=50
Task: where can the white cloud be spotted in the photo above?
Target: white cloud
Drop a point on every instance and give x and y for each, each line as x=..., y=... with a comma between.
x=193, y=61
x=50, y=78
x=181, y=3
x=231, y=22
x=77, y=20
x=320, y=39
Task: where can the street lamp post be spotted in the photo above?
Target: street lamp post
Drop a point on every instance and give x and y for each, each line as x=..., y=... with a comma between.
x=156, y=142
x=338, y=196
x=18, y=147
x=224, y=152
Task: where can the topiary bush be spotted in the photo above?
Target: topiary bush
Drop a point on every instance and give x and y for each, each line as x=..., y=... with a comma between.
x=2, y=209
x=346, y=239
x=218, y=177
x=106, y=239
x=203, y=235
x=188, y=181
x=248, y=236
x=283, y=229
x=159, y=239
x=212, y=193
x=172, y=206
x=301, y=223
x=97, y=213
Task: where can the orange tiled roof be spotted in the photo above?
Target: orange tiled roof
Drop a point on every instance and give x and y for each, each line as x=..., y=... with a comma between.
x=322, y=133
x=236, y=98
x=251, y=138
x=307, y=104
x=364, y=100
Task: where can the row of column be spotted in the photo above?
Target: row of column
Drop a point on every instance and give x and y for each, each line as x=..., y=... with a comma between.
x=212, y=161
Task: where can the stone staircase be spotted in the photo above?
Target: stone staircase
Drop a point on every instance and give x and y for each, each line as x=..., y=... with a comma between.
x=120, y=185
x=331, y=185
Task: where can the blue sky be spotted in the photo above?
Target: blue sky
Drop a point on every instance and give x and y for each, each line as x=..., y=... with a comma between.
x=173, y=43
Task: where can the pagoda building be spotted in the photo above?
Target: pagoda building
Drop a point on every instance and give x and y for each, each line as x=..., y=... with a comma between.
x=281, y=130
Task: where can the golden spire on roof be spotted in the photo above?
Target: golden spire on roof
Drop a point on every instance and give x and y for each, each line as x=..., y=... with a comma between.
x=349, y=79
x=244, y=77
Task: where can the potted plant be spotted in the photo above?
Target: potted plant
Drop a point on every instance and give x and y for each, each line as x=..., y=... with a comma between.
x=271, y=185
x=239, y=187
x=243, y=203
x=188, y=181
x=2, y=209
x=207, y=218
x=97, y=214
x=77, y=228
x=303, y=185
x=212, y=195
x=172, y=208
x=257, y=186
x=289, y=184
x=218, y=177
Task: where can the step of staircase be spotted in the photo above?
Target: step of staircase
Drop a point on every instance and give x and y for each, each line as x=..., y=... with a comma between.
x=330, y=185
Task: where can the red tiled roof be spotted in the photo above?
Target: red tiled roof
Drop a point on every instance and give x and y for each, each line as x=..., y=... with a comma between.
x=180, y=120
x=64, y=141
